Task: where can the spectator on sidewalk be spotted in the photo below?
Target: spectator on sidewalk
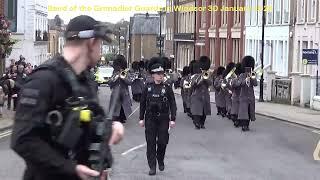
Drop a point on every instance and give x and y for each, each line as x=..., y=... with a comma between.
x=19, y=81
x=22, y=61
x=3, y=97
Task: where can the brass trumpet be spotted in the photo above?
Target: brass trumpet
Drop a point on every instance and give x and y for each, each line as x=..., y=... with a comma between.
x=166, y=77
x=124, y=73
x=205, y=74
x=186, y=84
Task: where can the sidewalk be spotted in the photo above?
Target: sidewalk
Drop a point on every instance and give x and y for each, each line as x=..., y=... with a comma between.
x=302, y=116
x=6, y=121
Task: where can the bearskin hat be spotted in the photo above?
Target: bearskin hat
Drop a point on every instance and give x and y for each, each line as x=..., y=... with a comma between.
x=119, y=62
x=141, y=64
x=229, y=67
x=239, y=69
x=205, y=63
x=146, y=64
x=154, y=63
x=135, y=65
x=248, y=61
x=220, y=70
x=185, y=71
x=167, y=63
x=194, y=67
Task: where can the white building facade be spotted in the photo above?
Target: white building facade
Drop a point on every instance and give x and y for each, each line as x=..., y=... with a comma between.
x=31, y=30
x=307, y=36
x=278, y=34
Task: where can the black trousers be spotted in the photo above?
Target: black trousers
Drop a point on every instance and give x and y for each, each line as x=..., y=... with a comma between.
x=157, y=138
x=136, y=97
x=199, y=120
x=121, y=118
x=222, y=111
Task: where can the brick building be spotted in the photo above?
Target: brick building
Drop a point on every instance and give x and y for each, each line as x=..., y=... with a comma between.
x=143, y=32
x=225, y=39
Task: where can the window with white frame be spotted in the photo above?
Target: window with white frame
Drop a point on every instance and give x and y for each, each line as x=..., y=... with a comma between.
x=253, y=12
x=259, y=12
x=277, y=11
x=203, y=15
x=301, y=11
x=224, y=14
x=285, y=13
x=248, y=13
x=311, y=10
x=213, y=13
x=269, y=14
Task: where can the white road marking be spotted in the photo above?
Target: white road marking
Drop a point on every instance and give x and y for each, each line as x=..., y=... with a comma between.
x=5, y=134
x=134, y=111
x=133, y=149
x=316, y=131
x=316, y=152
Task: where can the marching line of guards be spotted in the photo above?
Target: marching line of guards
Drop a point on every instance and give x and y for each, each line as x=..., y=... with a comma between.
x=233, y=87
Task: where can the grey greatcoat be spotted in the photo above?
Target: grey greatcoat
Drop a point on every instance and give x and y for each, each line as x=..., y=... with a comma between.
x=219, y=93
x=124, y=99
x=227, y=97
x=247, y=99
x=137, y=84
x=236, y=89
x=200, y=97
x=186, y=92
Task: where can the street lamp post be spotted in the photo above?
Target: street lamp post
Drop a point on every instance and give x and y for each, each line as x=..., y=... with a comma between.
x=160, y=37
x=262, y=52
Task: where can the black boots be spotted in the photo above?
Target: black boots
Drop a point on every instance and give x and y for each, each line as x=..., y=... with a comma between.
x=161, y=165
x=152, y=172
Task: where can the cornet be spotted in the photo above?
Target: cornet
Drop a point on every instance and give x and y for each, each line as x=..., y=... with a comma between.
x=166, y=77
x=124, y=73
x=186, y=84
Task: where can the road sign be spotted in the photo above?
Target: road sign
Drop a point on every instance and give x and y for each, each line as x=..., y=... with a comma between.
x=310, y=56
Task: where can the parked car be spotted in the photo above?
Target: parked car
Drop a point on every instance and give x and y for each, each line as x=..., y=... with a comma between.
x=103, y=74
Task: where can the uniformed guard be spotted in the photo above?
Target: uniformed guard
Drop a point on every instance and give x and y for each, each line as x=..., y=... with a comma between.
x=236, y=89
x=122, y=78
x=247, y=99
x=200, y=98
x=138, y=82
x=219, y=93
x=157, y=112
x=186, y=90
x=226, y=87
x=53, y=123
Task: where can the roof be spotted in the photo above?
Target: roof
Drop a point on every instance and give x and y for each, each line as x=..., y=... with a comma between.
x=141, y=24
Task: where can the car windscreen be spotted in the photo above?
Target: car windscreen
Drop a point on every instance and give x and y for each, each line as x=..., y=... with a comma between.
x=107, y=71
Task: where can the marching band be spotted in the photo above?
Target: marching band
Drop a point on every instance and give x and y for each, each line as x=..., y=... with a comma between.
x=233, y=86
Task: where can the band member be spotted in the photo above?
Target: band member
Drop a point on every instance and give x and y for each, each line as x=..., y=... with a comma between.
x=121, y=78
x=138, y=83
x=219, y=93
x=227, y=88
x=186, y=91
x=247, y=99
x=200, y=98
x=169, y=76
x=236, y=88
x=157, y=112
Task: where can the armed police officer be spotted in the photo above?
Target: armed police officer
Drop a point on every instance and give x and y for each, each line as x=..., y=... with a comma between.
x=49, y=133
x=157, y=112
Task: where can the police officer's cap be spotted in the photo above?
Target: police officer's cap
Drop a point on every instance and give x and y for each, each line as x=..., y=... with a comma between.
x=156, y=65
x=85, y=27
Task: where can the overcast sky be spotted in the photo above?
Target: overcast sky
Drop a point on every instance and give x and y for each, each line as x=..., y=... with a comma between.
x=101, y=15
